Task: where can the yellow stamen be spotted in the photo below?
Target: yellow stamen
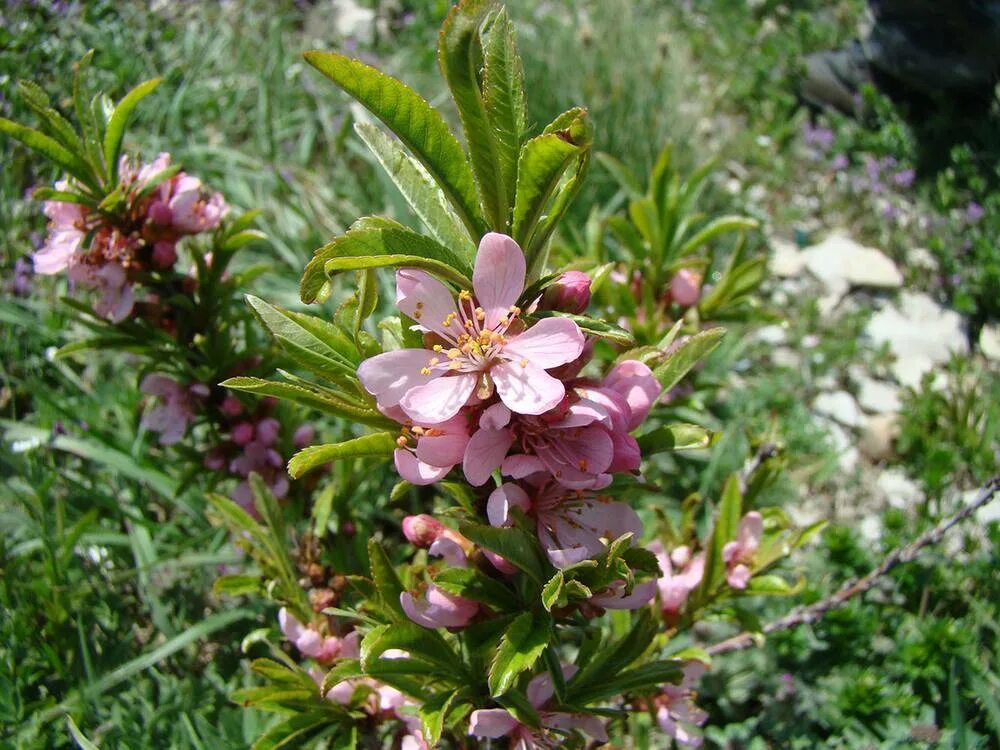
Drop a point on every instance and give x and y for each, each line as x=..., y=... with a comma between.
x=425, y=371
x=465, y=295
x=523, y=363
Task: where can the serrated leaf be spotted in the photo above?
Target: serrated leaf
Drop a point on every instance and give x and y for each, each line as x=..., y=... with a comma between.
x=521, y=646
x=418, y=125
x=317, y=398
x=552, y=591
x=477, y=586
x=512, y=544
x=59, y=128
x=434, y=712
x=50, y=149
x=675, y=437
x=290, y=731
x=418, y=188
x=612, y=659
x=375, y=242
x=460, y=56
x=377, y=445
x=386, y=581
x=686, y=356
x=420, y=642
x=593, y=327
x=647, y=678
x=344, y=669
x=119, y=120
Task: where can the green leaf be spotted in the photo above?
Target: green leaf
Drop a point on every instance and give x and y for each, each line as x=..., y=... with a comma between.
x=647, y=678
x=119, y=119
x=460, y=56
x=726, y=524
x=50, y=149
x=386, y=581
x=521, y=646
x=291, y=731
x=503, y=95
x=433, y=713
x=612, y=659
x=512, y=544
x=713, y=229
x=323, y=399
x=78, y=736
x=772, y=585
x=544, y=159
x=237, y=585
x=593, y=327
x=473, y=584
x=238, y=240
x=375, y=242
x=58, y=126
x=377, y=445
x=418, y=125
x=418, y=188
x=622, y=174
x=344, y=669
x=552, y=591
x=686, y=356
x=420, y=642
x=675, y=437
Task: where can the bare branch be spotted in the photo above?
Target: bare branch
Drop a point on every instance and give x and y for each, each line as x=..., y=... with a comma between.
x=814, y=612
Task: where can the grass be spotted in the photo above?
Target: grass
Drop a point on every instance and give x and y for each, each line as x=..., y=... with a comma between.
x=106, y=570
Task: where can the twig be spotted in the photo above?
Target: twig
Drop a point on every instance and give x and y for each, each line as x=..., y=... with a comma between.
x=814, y=612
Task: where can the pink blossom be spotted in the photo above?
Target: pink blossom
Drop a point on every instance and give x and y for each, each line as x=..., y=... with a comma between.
x=681, y=574
x=191, y=212
x=493, y=723
x=685, y=287
x=616, y=596
x=259, y=456
x=426, y=453
x=177, y=409
x=569, y=293
x=738, y=555
x=310, y=642
x=484, y=347
x=67, y=230
x=571, y=526
x=117, y=297
x=438, y=609
x=164, y=254
x=676, y=712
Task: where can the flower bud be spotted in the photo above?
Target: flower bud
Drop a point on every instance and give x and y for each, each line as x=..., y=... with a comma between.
x=242, y=433
x=422, y=530
x=685, y=287
x=231, y=406
x=570, y=293
x=164, y=254
x=160, y=213
x=303, y=436
x=268, y=430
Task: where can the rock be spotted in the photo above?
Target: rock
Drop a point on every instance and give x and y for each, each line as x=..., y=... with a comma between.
x=921, y=258
x=772, y=334
x=354, y=21
x=900, y=491
x=877, y=396
x=783, y=356
x=842, y=443
x=840, y=263
x=839, y=406
x=878, y=437
x=989, y=342
x=786, y=260
x=920, y=333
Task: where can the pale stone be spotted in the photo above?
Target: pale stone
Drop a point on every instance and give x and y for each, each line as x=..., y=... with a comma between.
x=878, y=437
x=786, y=259
x=840, y=262
x=772, y=334
x=877, y=396
x=870, y=528
x=842, y=443
x=920, y=333
x=782, y=356
x=839, y=406
x=900, y=491
x=920, y=257
x=354, y=21
x=989, y=342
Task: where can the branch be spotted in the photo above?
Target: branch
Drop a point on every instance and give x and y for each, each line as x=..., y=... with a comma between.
x=814, y=612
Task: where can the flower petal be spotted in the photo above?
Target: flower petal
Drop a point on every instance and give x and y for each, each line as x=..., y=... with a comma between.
x=527, y=388
x=615, y=598
x=549, y=343
x=498, y=278
x=438, y=400
x=635, y=381
x=389, y=376
x=425, y=299
x=484, y=454
x=491, y=723
x=502, y=499
x=521, y=466
x=442, y=450
x=415, y=471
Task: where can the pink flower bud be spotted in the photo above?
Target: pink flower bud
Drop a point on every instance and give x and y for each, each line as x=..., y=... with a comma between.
x=242, y=433
x=215, y=461
x=570, y=293
x=303, y=436
x=164, y=254
x=422, y=530
x=160, y=213
x=231, y=406
x=685, y=287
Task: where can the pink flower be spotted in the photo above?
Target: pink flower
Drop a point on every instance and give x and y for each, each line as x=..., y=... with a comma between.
x=676, y=587
x=117, y=298
x=569, y=293
x=438, y=609
x=164, y=254
x=178, y=407
x=738, y=555
x=191, y=212
x=676, y=712
x=493, y=723
x=67, y=230
x=484, y=346
x=685, y=287
x=427, y=453
x=615, y=596
x=310, y=642
x=571, y=526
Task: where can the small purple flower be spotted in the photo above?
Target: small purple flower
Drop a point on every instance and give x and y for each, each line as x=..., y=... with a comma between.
x=817, y=136
x=905, y=178
x=839, y=162
x=23, y=271
x=890, y=212
x=974, y=213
